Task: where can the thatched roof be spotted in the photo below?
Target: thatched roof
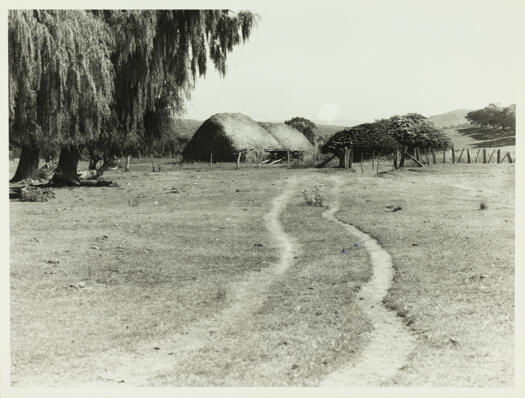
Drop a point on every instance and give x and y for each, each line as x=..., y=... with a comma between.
x=225, y=133
x=287, y=136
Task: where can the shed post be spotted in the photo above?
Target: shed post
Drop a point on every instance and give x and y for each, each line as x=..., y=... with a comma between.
x=498, y=156
x=484, y=155
x=453, y=156
x=468, y=156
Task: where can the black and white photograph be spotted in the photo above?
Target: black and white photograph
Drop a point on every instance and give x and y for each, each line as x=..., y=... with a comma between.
x=262, y=194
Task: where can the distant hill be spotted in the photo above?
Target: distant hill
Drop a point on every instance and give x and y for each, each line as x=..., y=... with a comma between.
x=450, y=119
x=327, y=130
x=185, y=128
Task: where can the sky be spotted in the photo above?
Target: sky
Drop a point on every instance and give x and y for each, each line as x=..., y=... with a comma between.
x=356, y=61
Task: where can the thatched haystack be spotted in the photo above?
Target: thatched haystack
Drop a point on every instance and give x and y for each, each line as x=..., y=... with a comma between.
x=287, y=136
x=223, y=134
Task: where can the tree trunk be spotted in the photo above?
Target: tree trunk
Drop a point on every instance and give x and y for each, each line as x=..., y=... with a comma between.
x=67, y=169
x=28, y=163
x=93, y=160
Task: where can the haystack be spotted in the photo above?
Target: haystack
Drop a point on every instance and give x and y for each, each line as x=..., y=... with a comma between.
x=287, y=136
x=223, y=134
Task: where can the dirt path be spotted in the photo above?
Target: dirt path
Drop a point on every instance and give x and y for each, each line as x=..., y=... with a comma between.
x=390, y=341
x=145, y=363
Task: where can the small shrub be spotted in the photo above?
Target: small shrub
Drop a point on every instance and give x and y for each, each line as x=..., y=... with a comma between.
x=316, y=197
x=483, y=205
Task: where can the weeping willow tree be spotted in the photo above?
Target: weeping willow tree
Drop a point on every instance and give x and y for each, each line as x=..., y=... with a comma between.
x=61, y=81
x=112, y=69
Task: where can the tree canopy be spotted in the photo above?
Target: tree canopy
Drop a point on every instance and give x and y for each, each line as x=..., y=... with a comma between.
x=365, y=139
x=383, y=136
x=494, y=116
x=61, y=78
x=305, y=126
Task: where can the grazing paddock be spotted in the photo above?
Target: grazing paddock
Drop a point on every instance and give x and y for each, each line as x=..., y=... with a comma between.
x=454, y=263
x=101, y=275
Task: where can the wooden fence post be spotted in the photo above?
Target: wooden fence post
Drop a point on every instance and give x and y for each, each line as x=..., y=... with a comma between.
x=468, y=156
x=484, y=155
x=351, y=158
x=346, y=157
x=238, y=160
x=453, y=155
x=498, y=156
x=444, y=155
x=461, y=154
x=507, y=155
x=128, y=159
x=395, y=159
x=403, y=155
x=490, y=157
x=288, y=157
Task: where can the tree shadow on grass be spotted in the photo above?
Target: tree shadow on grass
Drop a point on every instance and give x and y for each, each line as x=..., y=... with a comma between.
x=488, y=138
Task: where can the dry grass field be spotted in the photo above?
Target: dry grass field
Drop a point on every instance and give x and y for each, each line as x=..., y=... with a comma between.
x=169, y=280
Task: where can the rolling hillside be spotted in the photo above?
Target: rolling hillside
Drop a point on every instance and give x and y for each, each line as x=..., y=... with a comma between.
x=450, y=119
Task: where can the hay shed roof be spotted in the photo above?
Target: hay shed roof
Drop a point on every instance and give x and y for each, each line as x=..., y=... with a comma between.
x=225, y=133
x=287, y=136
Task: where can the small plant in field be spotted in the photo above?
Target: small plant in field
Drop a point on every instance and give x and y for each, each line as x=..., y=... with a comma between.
x=316, y=197
x=483, y=205
x=220, y=294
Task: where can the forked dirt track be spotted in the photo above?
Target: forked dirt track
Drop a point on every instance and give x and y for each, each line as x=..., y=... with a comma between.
x=389, y=345
x=143, y=365
x=390, y=342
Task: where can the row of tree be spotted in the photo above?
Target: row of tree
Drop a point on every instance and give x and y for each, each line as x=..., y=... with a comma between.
x=494, y=116
x=107, y=81
x=383, y=136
